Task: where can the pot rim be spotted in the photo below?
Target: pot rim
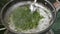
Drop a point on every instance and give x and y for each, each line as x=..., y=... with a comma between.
x=20, y=32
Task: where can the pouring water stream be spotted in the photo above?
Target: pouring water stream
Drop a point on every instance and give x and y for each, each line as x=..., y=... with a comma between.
x=32, y=6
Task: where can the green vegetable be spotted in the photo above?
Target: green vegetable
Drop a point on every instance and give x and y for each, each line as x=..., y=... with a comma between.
x=24, y=19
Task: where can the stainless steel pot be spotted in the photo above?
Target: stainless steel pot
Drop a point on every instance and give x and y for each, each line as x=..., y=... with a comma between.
x=46, y=3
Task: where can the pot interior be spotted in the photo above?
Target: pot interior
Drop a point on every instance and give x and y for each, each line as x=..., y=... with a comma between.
x=27, y=17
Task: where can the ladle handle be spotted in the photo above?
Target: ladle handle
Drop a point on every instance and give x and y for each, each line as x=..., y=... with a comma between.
x=57, y=5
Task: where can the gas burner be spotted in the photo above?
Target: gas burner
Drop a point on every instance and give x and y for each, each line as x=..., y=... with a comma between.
x=49, y=32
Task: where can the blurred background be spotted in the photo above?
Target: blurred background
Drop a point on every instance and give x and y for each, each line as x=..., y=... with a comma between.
x=55, y=27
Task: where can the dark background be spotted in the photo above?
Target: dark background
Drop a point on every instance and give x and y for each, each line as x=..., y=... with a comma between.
x=55, y=27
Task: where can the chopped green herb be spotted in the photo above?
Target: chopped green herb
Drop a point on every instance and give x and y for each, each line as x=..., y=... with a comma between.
x=25, y=20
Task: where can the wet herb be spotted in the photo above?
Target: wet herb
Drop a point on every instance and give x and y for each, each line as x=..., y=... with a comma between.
x=24, y=19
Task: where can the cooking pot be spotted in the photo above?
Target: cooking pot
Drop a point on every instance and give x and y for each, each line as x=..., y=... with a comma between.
x=6, y=11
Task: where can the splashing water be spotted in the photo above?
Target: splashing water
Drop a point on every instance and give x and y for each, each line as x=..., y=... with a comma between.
x=33, y=7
